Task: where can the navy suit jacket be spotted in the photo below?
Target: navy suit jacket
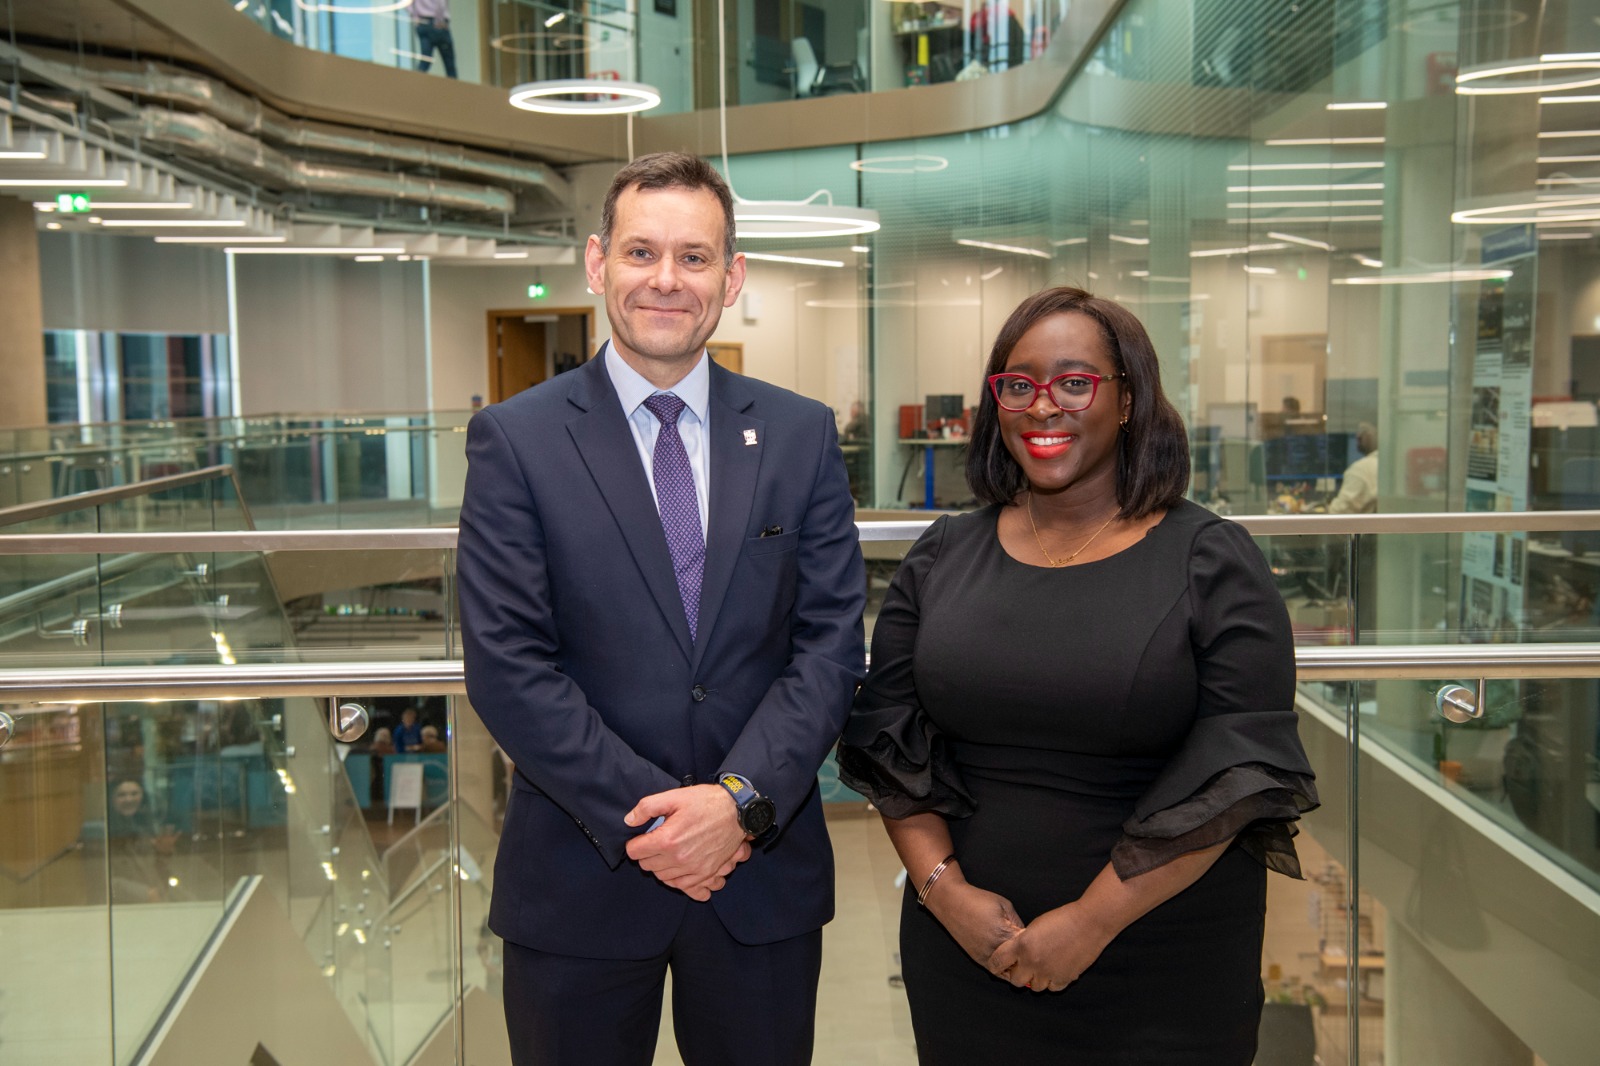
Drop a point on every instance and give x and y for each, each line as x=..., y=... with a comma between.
x=578, y=657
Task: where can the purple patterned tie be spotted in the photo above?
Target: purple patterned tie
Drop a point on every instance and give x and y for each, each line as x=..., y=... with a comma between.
x=680, y=511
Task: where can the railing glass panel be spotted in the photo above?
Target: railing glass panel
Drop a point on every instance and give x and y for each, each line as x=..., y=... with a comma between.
x=1443, y=857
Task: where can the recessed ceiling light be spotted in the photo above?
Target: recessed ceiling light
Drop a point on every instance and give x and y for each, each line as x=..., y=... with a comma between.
x=75, y=183
x=511, y=255
x=175, y=223
x=1359, y=105
x=312, y=250
x=220, y=240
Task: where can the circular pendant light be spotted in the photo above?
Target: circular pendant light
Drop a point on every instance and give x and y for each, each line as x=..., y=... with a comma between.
x=762, y=219
x=556, y=97
x=1571, y=71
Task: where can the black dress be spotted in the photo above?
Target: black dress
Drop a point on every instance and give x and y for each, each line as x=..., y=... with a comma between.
x=1128, y=710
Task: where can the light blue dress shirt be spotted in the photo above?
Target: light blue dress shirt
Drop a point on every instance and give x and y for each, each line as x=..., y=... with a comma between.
x=693, y=424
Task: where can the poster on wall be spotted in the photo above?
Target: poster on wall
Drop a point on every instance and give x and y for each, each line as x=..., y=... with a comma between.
x=1493, y=565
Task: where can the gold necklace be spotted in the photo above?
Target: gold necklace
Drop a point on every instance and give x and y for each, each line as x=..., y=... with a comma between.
x=1081, y=547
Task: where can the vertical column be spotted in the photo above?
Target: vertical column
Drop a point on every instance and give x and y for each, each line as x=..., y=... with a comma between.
x=22, y=401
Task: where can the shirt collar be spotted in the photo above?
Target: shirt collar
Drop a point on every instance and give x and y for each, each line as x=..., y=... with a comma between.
x=632, y=388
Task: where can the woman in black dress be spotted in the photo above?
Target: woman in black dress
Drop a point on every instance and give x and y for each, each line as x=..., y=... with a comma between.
x=1079, y=726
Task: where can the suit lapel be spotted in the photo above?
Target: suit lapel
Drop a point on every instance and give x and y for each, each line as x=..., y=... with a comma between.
x=605, y=441
x=735, y=464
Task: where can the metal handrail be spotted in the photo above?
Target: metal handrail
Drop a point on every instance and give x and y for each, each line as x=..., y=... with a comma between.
x=900, y=530
x=445, y=677
x=29, y=512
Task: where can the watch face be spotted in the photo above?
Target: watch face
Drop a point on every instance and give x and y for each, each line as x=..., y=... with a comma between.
x=757, y=816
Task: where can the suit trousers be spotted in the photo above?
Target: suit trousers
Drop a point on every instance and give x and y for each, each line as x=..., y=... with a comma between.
x=733, y=1004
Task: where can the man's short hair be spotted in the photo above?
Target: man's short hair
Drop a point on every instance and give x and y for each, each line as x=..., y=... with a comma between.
x=670, y=170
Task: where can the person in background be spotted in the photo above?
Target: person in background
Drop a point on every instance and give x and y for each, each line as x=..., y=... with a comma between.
x=431, y=743
x=859, y=427
x=1358, y=490
x=138, y=848
x=382, y=742
x=408, y=734
x=1079, y=726
x=432, y=20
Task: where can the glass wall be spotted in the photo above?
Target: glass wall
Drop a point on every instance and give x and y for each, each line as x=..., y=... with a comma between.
x=119, y=377
x=776, y=50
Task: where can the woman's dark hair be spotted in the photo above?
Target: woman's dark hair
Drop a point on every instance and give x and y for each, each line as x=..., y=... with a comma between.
x=1152, y=453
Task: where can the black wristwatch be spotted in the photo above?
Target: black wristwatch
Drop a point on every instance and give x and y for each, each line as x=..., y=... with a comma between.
x=756, y=812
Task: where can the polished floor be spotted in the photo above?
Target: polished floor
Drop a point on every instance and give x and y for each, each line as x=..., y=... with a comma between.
x=112, y=971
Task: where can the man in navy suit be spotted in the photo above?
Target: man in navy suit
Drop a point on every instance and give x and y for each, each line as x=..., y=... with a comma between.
x=661, y=596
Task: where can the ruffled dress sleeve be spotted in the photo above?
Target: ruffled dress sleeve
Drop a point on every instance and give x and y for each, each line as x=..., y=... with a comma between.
x=1241, y=772
x=890, y=751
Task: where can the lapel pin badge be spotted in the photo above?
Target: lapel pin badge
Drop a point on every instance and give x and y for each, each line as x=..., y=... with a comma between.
x=749, y=438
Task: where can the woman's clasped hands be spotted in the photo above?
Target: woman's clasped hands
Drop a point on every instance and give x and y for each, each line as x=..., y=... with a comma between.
x=1052, y=951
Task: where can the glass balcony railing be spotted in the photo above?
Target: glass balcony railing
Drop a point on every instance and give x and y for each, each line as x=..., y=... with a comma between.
x=300, y=471
x=1445, y=854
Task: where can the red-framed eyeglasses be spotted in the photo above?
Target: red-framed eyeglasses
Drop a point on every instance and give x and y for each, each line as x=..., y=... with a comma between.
x=1072, y=391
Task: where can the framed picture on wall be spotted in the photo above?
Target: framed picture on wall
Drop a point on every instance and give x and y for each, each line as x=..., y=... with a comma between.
x=667, y=7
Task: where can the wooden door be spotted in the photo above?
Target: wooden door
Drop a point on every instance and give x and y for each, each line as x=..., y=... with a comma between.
x=527, y=345
x=727, y=354
x=517, y=356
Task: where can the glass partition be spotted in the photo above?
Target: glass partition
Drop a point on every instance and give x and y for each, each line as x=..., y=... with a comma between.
x=790, y=51
x=149, y=820
x=292, y=471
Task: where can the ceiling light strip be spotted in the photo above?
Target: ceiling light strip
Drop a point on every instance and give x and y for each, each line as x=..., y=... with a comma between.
x=1012, y=248
x=797, y=259
x=1374, y=164
x=1307, y=241
x=1302, y=142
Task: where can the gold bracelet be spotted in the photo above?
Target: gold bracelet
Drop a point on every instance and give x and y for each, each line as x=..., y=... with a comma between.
x=927, y=886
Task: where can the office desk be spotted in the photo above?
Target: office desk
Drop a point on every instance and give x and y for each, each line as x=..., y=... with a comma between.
x=927, y=445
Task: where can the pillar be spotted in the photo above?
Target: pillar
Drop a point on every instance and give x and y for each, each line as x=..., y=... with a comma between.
x=22, y=401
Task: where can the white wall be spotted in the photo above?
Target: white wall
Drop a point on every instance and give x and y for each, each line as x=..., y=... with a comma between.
x=805, y=338
x=131, y=285
x=330, y=334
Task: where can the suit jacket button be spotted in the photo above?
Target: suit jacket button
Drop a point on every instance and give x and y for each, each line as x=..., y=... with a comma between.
x=688, y=779
x=698, y=692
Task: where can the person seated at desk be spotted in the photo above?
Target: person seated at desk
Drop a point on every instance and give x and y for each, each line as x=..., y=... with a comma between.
x=382, y=742
x=431, y=744
x=1358, y=492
